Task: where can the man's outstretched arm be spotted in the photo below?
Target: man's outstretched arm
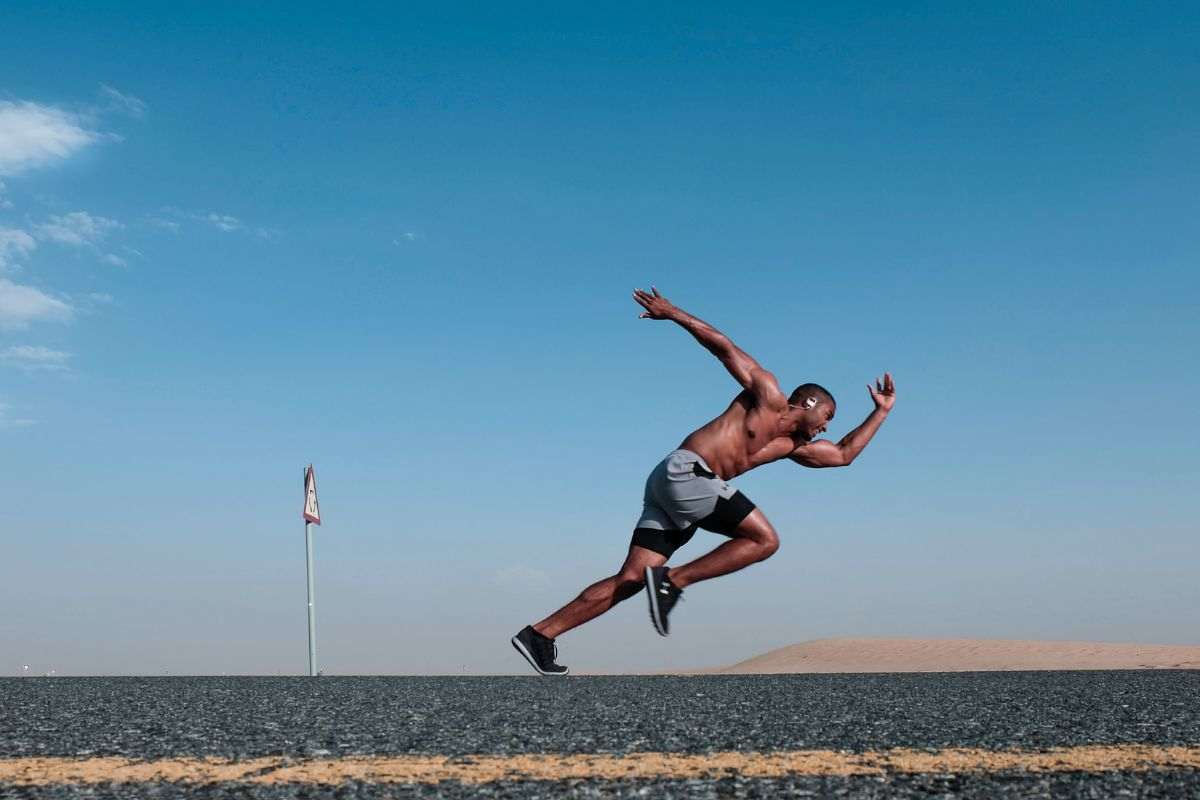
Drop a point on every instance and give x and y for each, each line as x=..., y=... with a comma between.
x=744, y=369
x=823, y=453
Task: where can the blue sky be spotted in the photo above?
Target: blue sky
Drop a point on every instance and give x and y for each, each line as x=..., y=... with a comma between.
x=399, y=242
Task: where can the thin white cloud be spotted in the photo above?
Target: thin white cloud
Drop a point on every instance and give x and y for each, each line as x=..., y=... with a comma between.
x=7, y=421
x=34, y=358
x=119, y=101
x=77, y=229
x=115, y=260
x=14, y=243
x=169, y=218
x=21, y=305
x=166, y=224
x=33, y=135
x=223, y=222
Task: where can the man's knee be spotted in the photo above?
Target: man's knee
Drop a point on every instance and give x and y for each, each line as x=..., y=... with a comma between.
x=629, y=583
x=629, y=580
x=768, y=543
x=630, y=575
x=756, y=528
x=765, y=539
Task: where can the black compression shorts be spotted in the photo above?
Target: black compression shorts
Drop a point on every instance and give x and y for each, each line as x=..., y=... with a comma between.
x=724, y=519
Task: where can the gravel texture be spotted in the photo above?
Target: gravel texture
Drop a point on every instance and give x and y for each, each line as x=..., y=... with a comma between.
x=1058, y=787
x=331, y=716
x=241, y=717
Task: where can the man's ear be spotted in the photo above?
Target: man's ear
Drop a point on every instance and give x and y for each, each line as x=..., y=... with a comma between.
x=809, y=403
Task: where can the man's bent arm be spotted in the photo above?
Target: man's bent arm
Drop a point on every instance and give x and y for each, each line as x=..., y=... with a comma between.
x=744, y=369
x=823, y=453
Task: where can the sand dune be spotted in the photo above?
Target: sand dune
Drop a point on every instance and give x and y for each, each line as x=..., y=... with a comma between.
x=962, y=655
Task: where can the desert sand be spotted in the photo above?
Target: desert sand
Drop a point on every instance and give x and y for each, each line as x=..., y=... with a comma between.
x=962, y=655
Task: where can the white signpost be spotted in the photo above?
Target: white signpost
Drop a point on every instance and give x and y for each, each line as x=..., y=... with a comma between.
x=312, y=515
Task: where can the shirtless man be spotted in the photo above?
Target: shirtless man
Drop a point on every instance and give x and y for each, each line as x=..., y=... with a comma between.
x=688, y=489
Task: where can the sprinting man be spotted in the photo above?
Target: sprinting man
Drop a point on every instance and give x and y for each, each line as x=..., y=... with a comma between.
x=689, y=488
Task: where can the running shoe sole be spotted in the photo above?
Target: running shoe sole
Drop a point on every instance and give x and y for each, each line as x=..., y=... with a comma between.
x=653, y=596
x=529, y=657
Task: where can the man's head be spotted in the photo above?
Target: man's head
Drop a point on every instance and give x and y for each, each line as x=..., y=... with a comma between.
x=813, y=407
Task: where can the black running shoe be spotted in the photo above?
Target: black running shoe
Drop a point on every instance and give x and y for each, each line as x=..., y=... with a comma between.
x=539, y=651
x=663, y=596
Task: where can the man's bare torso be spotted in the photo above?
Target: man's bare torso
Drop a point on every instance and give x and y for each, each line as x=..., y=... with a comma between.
x=746, y=435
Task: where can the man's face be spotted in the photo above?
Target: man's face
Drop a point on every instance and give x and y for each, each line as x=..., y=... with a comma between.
x=816, y=420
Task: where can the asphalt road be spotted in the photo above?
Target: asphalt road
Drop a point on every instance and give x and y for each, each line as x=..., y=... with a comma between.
x=301, y=718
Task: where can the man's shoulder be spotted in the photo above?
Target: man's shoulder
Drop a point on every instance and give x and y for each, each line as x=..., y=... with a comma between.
x=766, y=391
x=747, y=400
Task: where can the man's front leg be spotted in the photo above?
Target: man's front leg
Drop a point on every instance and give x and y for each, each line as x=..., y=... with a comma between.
x=754, y=540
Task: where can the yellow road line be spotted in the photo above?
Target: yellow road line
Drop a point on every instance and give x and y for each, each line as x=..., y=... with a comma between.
x=39, y=771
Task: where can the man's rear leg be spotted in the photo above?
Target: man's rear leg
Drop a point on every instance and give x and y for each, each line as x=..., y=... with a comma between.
x=754, y=539
x=603, y=594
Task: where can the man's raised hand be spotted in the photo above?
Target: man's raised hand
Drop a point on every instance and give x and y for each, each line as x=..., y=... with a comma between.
x=883, y=392
x=657, y=306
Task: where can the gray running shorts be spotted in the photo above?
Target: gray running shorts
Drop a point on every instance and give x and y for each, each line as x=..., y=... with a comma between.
x=683, y=494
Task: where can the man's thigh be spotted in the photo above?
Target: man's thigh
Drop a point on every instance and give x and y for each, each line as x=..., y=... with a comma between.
x=650, y=542
x=730, y=514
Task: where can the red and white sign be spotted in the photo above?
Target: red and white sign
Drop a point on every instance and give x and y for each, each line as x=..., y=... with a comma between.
x=312, y=511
